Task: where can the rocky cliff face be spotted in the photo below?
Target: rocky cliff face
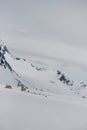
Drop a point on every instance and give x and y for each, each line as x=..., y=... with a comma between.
x=3, y=51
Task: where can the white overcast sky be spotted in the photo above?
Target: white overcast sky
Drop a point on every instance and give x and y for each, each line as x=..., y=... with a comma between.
x=48, y=26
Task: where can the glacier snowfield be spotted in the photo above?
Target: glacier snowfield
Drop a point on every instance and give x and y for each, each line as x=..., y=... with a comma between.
x=54, y=99
x=26, y=111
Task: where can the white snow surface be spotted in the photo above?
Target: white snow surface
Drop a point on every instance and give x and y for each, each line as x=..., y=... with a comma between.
x=49, y=104
x=26, y=111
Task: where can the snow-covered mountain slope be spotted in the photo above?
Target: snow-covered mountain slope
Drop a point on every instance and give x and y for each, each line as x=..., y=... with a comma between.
x=6, y=72
x=37, y=73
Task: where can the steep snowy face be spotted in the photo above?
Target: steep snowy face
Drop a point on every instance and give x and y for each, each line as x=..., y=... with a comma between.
x=7, y=74
x=21, y=66
x=29, y=73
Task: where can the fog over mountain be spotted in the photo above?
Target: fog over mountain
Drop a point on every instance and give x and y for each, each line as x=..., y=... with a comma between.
x=58, y=26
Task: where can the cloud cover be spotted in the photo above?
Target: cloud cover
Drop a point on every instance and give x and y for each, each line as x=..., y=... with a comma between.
x=45, y=26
